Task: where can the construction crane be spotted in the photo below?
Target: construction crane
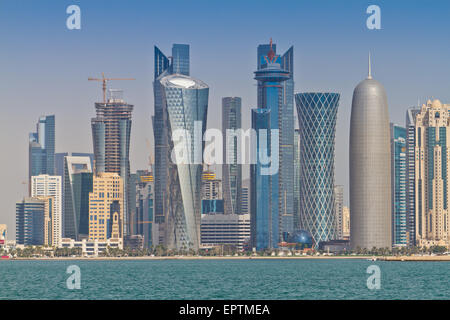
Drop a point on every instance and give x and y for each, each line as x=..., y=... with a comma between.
x=105, y=80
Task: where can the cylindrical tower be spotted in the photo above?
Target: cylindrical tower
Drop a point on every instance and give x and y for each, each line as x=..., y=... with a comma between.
x=370, y=167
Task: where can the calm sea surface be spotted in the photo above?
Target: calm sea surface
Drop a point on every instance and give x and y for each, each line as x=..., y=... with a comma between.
x=224, y=279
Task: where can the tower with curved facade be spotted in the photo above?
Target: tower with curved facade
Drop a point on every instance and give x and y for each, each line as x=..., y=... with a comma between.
x=317, y=114
x=370, y=168
x=181, y=105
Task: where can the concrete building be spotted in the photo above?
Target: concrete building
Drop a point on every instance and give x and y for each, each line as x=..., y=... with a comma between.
x=370, y=167
x=92, y=248
x=50, y=186
x=346, y=223
x=106, y=207
x=339, y=211
x=225, y=229
x=211, y=186
x=432, y=167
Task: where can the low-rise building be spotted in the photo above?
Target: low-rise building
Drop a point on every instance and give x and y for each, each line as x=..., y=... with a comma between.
x=92, y=248
x=225, y=229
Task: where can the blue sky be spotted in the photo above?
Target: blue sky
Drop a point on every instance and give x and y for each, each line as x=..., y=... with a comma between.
x=44, y=66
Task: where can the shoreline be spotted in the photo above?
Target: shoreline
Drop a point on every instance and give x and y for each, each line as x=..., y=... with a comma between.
x=384, y=258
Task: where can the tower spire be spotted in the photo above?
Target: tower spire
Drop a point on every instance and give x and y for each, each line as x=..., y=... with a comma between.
x=370, y=69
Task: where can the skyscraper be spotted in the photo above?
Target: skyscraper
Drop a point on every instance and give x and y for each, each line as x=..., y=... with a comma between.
x=181, y=106
x=339, y=211
x=42, y=148
x=270, y=117
x=45, y=185
x=78, y=181
x=398, y=185
x=106, y=203
x=111, y=132
x=211, y=186
x=370, y=168
x=431, y=170
x=280, y=100
x=410, y=174
x=145, y=207
x=231, y=170
x=30, y=213
x=317, y=113
x=297, y=177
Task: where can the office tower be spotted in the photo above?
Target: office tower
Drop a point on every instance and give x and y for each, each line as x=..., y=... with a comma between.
x=245, y=200
x=106, y=203
x=211, y=187
x=269, y=117
x=42, y=148
x=111, y=131
x=264, y=219
x=297, y=182
x=33, y=221
x=431, y=169
x=180, y=59
x=225, y=230
x=346, y=223
x=45, y=185
x=78, y=181
x=178, y=183
x=317, y=114
x=370, y=169
x=275, y=82
x=398, y=185
x=144, y=207
x=339, y=211
x=231, y=169
x=410, y=174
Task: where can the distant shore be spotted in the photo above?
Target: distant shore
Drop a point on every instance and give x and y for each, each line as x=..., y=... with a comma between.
x=384, y=258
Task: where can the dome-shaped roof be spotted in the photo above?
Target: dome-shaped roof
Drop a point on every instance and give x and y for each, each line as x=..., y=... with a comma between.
x=301, y=237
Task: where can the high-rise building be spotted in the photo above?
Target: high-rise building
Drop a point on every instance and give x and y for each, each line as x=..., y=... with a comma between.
x=33, y=221
x=370, y=168
x=225, y=229
x=106, y=203
x=398, y=186
x=78, y=182
x=346, y=223
x=231, y=169
x=181, y=106
x=297, y=177
x=339, y=211
x=410, y=174
x=272, y=115
x=317, y=113
x=45, y=185
x=111, y=132
x=275, y=82
x=431, y=169
x=42, y=148
x=245, y=200
x=144, y=208
x=211, y=186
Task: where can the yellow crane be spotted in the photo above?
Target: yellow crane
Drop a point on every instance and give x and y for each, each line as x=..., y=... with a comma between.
x=105, y=80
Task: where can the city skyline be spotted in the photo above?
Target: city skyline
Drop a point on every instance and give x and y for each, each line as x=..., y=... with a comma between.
x=77, y=95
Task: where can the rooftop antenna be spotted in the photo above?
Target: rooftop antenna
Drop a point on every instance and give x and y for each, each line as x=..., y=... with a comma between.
x=105, y=80
x=370, y=69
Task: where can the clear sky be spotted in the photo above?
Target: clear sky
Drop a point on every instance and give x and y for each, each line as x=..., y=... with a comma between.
x=44, y=66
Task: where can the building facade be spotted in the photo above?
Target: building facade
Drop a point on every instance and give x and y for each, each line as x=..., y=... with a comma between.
x=106, y=207
x=211, y=186
x=370, y=167
x=297, y=178
x=339, y=211
x=398, y=186
x=145, y=224
x=346, y=223
x=78, y=183
x=225, y=229
x=33, y=221
x=231, y=169
x=45, y=185
x=317, y=113
x=432, y=156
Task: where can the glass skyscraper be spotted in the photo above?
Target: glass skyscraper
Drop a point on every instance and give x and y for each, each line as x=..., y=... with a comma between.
x=181, y=103
x=317, y=114
x=231, y=170
x=285, y=124
x=42, y=148
x=30, y=221
x=272, y=98
x=111, y=133
x=398, y=185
